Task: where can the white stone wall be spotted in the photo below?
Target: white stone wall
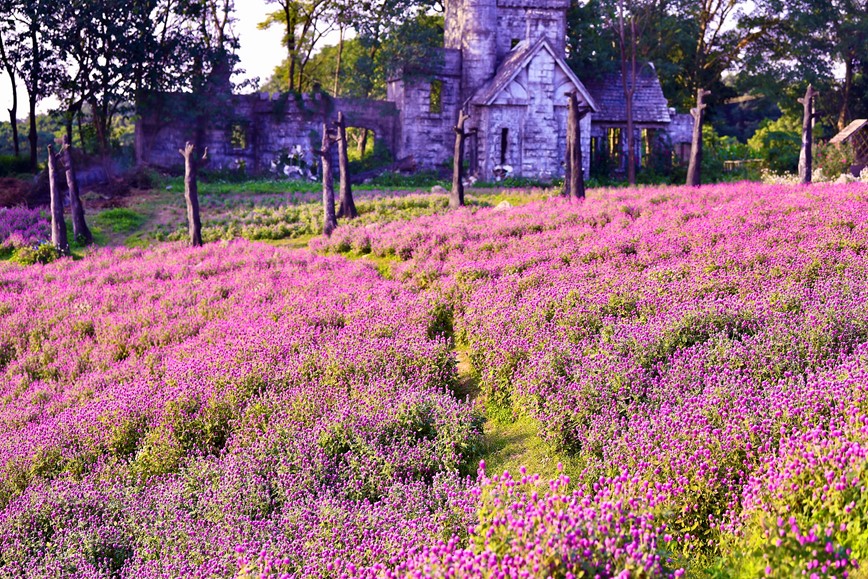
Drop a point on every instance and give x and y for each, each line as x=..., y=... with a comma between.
x=533, y=109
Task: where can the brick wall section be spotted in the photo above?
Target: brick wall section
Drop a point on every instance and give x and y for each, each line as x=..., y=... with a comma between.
x=271, y=124
x=425, y=135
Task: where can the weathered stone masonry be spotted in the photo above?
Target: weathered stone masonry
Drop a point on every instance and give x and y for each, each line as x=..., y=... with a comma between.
x=503, y=62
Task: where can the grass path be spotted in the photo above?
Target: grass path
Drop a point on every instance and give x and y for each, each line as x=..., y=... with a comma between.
x=510, y=445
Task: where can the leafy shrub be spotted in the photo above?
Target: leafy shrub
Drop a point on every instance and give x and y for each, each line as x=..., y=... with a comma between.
x=12, y=165
x=833, y=159
x=42, y=253
x=778, y=144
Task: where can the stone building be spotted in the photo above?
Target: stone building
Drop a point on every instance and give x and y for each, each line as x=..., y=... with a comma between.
x=503, y=62
x=657, y=129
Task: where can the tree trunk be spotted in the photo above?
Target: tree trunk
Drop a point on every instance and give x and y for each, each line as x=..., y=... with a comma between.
x=574, y=140
x=346, y=207
x=568, y=154
x=58, y=225
x=328, y=184
x=290, y=44
x=844, y=111
x=363, y=143
x=191, y=191
x=13, y=112
x=33, y=136
x=629, y=89
x=81, y=132
x=631, y=140
x=694, y=168
x=456, y=196
x=805, y=156
x=33, y=95
x=80, y=231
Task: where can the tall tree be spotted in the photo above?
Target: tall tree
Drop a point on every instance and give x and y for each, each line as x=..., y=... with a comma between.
x=628, y=21
x=35, y=57
x=8, y=65
x=808, y=40
x=305, y=22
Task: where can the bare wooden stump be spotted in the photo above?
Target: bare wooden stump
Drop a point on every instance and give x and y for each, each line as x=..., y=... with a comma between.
x=58, y=225
x=806, y=154
x=80, y=231
x=456, y=195
x=346, y=205
x=191, y=190
x=574, y=180
x=328, y=183
x=694, y=168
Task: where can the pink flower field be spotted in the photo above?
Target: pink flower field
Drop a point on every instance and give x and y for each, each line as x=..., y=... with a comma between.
x=696, y=358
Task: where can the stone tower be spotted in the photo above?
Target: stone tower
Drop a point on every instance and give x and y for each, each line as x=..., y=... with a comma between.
x=471, y=28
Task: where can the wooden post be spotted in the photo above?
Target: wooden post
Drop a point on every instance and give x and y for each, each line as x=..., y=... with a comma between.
x=328, y=183
x=80, y=231
x=456, y=196
x=806, y=154
x=568, y=160
x=58, y=225
x=346, y=206
x=575, y=165
x=694, y=169
x=191, y=191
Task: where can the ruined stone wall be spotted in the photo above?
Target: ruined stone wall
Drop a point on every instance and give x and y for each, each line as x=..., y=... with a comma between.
x=251, y=131
x=425, y=134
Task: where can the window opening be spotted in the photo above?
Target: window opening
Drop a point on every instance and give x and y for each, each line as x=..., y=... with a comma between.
x=238, y=137
x=436, y=97
x=504, y=142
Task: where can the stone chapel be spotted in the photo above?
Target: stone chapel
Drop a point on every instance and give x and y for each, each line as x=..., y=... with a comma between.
x=503, y=62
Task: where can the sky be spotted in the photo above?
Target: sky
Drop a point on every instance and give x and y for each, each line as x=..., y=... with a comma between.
x=260, y=52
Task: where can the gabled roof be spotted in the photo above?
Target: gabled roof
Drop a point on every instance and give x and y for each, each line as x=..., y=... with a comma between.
x=649, y=104
x=849, y=131
x=516, y=61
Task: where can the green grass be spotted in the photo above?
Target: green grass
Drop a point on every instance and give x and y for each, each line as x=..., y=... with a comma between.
x=120, y=220
x=510, y=443
x=387, y=182
x=292, y=243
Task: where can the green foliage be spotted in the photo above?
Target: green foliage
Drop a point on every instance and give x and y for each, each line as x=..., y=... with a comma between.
x=120, y=220
x=716, y=150
x=817, y=519
x=42, y=253
x=778, y=144
x=12, y=165
x=376, y=155
x=419, y=180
